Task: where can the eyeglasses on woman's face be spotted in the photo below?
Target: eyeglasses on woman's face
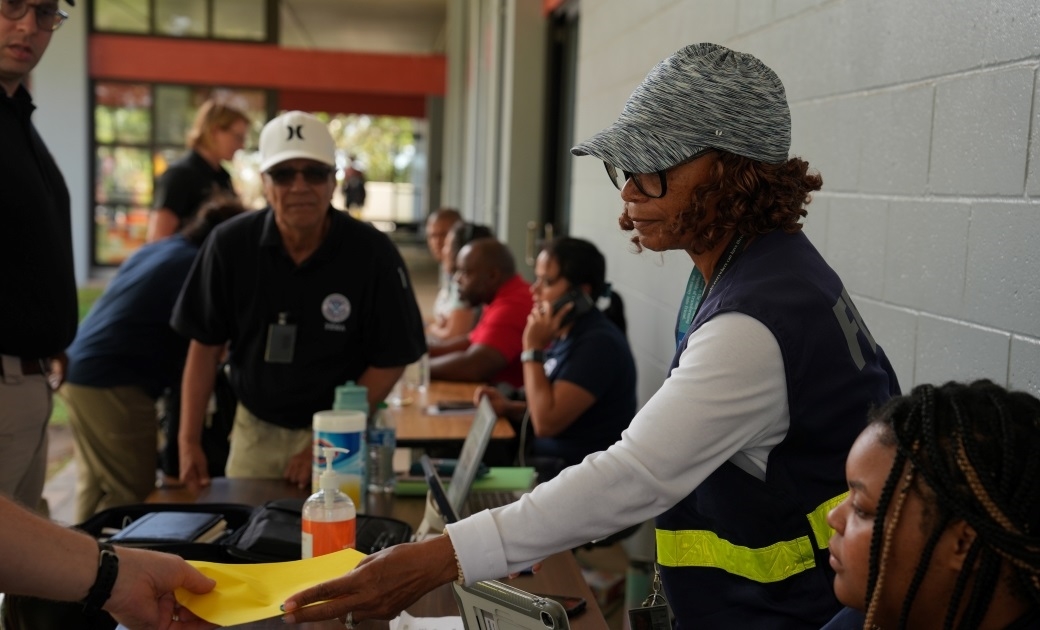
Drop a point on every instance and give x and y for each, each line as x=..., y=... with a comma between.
x=653, y=185
x=48, y=16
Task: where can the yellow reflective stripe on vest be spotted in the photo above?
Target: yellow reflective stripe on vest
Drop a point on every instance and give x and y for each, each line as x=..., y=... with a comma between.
x=818, y=520
x=698, y=548
x=779, y=561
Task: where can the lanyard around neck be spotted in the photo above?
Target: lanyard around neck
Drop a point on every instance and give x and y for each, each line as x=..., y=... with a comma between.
x=697, y=290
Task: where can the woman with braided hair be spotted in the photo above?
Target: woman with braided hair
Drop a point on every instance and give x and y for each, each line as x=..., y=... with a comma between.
x=940, y=526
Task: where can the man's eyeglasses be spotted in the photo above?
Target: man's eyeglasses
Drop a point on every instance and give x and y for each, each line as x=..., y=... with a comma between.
x=653, y=185
x=313, y=175
x=48, y=17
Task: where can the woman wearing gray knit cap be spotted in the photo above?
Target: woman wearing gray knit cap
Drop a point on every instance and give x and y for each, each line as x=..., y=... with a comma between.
x=740, y=454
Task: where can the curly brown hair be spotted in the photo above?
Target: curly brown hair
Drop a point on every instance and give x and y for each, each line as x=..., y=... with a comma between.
x=748, y=196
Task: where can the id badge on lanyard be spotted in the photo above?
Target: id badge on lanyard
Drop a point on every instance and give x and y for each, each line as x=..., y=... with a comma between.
x=281, y=341
x=653, y=614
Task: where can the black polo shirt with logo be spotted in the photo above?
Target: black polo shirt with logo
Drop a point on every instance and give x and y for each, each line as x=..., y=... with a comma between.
x=38, y=310
x=351, y=302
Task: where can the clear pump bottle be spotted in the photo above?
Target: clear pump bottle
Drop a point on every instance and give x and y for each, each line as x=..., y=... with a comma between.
x=329, y=516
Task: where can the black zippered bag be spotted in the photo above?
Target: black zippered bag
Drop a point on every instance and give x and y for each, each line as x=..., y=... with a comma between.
x=269, y=533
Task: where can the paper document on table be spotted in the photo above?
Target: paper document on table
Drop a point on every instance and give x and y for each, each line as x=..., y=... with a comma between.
x=251, y=592
x=404, y=621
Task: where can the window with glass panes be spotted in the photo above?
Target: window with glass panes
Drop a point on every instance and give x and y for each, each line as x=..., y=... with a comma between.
x=243, y=20
x=139, y=128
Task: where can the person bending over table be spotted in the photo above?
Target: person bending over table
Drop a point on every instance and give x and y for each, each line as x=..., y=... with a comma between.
x=579, y=374
x=740, y=454
x=124, y=355
x=939, y=529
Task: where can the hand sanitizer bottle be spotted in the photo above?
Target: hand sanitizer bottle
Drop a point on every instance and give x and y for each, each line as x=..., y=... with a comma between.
x=329, y=516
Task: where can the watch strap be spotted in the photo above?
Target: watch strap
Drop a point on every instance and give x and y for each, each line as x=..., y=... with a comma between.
x=536, y=356
x=108, y=570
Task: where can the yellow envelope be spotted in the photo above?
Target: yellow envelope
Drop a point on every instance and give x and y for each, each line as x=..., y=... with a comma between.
x=250, y=592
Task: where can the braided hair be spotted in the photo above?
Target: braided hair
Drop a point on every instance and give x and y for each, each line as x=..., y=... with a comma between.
x=970, y=451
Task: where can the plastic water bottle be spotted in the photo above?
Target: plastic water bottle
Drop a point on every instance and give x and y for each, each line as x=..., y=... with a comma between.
x=382, y=440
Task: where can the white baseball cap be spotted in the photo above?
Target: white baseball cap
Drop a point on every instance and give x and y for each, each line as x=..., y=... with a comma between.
x=296, y=135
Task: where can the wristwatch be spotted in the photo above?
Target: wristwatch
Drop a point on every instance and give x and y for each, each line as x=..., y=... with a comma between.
x=536, y=356
x=108, y=570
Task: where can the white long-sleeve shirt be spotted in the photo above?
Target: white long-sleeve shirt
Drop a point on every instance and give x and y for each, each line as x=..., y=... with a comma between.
x=726, y=400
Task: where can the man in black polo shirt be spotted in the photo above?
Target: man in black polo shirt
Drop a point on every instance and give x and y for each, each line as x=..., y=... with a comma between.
x=308, y=298
x=38, y=309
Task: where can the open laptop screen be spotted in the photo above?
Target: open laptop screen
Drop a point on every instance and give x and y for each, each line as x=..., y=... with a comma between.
x=472, y=453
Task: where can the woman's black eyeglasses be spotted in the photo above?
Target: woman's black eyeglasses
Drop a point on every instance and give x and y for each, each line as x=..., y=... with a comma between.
x=48, y=17
x=313, y=175
x=653, y=185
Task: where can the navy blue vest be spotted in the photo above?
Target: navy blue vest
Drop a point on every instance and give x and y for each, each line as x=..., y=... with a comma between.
x=835, y=374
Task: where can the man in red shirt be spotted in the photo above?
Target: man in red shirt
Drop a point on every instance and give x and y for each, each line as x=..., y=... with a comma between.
x=490, y=353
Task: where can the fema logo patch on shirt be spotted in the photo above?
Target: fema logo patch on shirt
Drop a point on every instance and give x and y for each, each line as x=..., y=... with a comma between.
x=336, y=309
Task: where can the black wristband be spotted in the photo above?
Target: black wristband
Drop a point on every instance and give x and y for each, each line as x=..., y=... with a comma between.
x=536, y=356
x=108, y=570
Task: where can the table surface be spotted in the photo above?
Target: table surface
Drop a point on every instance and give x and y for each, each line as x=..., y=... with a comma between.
x=417, y=428
x=560, y=573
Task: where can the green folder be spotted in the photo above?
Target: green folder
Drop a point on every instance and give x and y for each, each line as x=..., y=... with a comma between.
x=515, y=478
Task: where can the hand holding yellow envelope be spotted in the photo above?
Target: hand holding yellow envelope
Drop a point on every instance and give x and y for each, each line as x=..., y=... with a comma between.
x=250, y=592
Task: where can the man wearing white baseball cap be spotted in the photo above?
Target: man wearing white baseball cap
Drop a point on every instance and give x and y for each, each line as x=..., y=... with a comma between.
x=307, y=297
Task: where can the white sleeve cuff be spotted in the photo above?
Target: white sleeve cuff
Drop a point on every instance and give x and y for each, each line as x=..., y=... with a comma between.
x=478, y=547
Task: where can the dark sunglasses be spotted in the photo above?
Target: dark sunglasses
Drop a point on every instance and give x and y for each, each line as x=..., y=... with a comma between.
x=653, y=185
x=313, y=175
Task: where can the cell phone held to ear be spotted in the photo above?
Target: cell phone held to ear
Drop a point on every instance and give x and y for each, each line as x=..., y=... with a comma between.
x=581, y=301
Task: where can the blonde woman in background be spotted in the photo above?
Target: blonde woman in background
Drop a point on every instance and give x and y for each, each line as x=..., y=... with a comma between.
x=217, y=132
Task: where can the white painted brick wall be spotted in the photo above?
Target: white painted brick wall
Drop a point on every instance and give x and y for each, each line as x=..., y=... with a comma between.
x=924, y=120
x=951, y=350
x=981, y=126
x=854, y=229
x=926, y=254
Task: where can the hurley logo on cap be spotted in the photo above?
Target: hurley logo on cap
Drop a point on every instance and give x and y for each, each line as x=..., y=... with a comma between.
x=296, y=135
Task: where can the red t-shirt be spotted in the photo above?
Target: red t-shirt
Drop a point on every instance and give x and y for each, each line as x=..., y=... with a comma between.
x=501, y=326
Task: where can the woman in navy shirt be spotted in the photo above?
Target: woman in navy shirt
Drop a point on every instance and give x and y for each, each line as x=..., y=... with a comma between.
x=579, y=373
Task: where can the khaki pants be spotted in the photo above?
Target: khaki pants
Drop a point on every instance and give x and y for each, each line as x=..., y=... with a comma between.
x=116, y=445
x=25, y=408
x=261, y=450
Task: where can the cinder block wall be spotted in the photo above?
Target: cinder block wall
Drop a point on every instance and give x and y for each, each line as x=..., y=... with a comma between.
x=924, y=120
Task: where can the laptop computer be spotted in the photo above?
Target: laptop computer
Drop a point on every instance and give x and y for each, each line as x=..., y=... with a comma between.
x=463, y=502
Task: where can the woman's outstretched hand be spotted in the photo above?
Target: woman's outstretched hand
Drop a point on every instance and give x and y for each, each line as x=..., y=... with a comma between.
x=381, y=586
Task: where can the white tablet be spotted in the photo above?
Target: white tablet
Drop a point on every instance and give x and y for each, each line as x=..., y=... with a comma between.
x=492, y=605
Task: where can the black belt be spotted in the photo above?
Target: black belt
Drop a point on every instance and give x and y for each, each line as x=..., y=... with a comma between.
x=31, y=366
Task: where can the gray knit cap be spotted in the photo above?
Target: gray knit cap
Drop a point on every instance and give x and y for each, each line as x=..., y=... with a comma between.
x=703, y=96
